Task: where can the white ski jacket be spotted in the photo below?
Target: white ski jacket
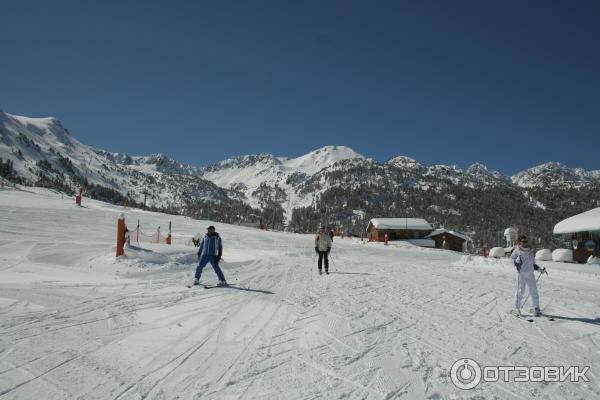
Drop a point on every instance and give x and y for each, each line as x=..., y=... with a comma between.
x=523, y=259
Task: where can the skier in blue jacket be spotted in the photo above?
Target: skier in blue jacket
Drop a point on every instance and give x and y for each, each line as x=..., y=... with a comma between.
x=211, y=250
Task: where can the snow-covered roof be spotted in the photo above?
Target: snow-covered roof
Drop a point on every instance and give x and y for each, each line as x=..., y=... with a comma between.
x=587, y=221
x=401, y=223
x=453, y=233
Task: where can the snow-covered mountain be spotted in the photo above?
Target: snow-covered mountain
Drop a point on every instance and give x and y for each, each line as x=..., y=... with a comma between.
x=42, y=151
x=553, y=174
x=247, y=174
x=304, y=178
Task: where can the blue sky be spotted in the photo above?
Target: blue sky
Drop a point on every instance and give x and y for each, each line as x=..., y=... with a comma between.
x=510, y=84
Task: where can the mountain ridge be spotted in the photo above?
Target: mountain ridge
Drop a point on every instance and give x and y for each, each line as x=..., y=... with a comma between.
x=284, y=191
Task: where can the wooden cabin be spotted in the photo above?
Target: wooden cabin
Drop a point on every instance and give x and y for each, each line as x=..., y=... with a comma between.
x=448, y=240
x=397, y=229
x=583, y=232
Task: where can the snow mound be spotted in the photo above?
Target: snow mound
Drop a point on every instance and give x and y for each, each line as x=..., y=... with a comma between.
x=143, y=255
x=422, y=242
x=480, y=261
x=593, y=260
x=562, y=255
x=543, y=255
x=497, y=252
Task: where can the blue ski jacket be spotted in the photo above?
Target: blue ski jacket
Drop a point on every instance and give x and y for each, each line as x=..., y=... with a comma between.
x=211, y=245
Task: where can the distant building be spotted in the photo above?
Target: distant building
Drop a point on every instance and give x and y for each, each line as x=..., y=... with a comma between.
x=399, y=229
x=449, y=240
x=583, y=231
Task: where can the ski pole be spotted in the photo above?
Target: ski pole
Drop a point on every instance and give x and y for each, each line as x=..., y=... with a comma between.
x=334, y=264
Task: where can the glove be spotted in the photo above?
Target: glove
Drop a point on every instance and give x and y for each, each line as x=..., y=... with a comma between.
x=328, y=250
x=317, y=250
x=518, y=262
x=541, y=269
x=218, y=258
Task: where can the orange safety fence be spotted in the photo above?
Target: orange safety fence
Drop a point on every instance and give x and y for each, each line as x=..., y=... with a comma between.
x=139, y=236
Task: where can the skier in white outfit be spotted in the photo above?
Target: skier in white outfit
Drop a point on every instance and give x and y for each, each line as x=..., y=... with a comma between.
x=523, y=259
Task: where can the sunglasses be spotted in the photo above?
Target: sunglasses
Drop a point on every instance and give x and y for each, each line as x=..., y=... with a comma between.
x=524, y=241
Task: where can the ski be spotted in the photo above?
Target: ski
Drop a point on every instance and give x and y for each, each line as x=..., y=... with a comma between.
x=531, y=318
x=518, y=315
x=207, y=286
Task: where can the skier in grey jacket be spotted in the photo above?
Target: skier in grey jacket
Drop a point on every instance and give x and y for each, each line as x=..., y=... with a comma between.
x=323, y=247
x=523, y=259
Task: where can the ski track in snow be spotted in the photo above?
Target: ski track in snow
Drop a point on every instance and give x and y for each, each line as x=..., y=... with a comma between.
x=387, y=323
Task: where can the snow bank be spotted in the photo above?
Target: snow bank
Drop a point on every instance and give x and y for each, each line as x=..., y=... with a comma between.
x=562, y=255
x=543, y=255
x=422, y=242
x=470, y=260
x=593, y=260
x=497, y=252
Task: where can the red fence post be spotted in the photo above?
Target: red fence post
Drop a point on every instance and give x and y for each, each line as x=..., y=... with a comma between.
x=169, y=236
x=79, y=197
x=120, y=235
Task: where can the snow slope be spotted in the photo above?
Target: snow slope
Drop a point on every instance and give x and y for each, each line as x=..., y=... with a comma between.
x=386, y=323
x=27, y=142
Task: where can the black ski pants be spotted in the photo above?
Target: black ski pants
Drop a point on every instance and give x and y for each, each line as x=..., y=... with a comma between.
x=323, y=255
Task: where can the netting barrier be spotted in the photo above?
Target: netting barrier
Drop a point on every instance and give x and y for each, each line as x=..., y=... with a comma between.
x=139, y=236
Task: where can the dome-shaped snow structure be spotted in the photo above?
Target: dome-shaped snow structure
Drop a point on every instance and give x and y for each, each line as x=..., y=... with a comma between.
x=497, y=252
x=543, y=255
x=562, y=255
